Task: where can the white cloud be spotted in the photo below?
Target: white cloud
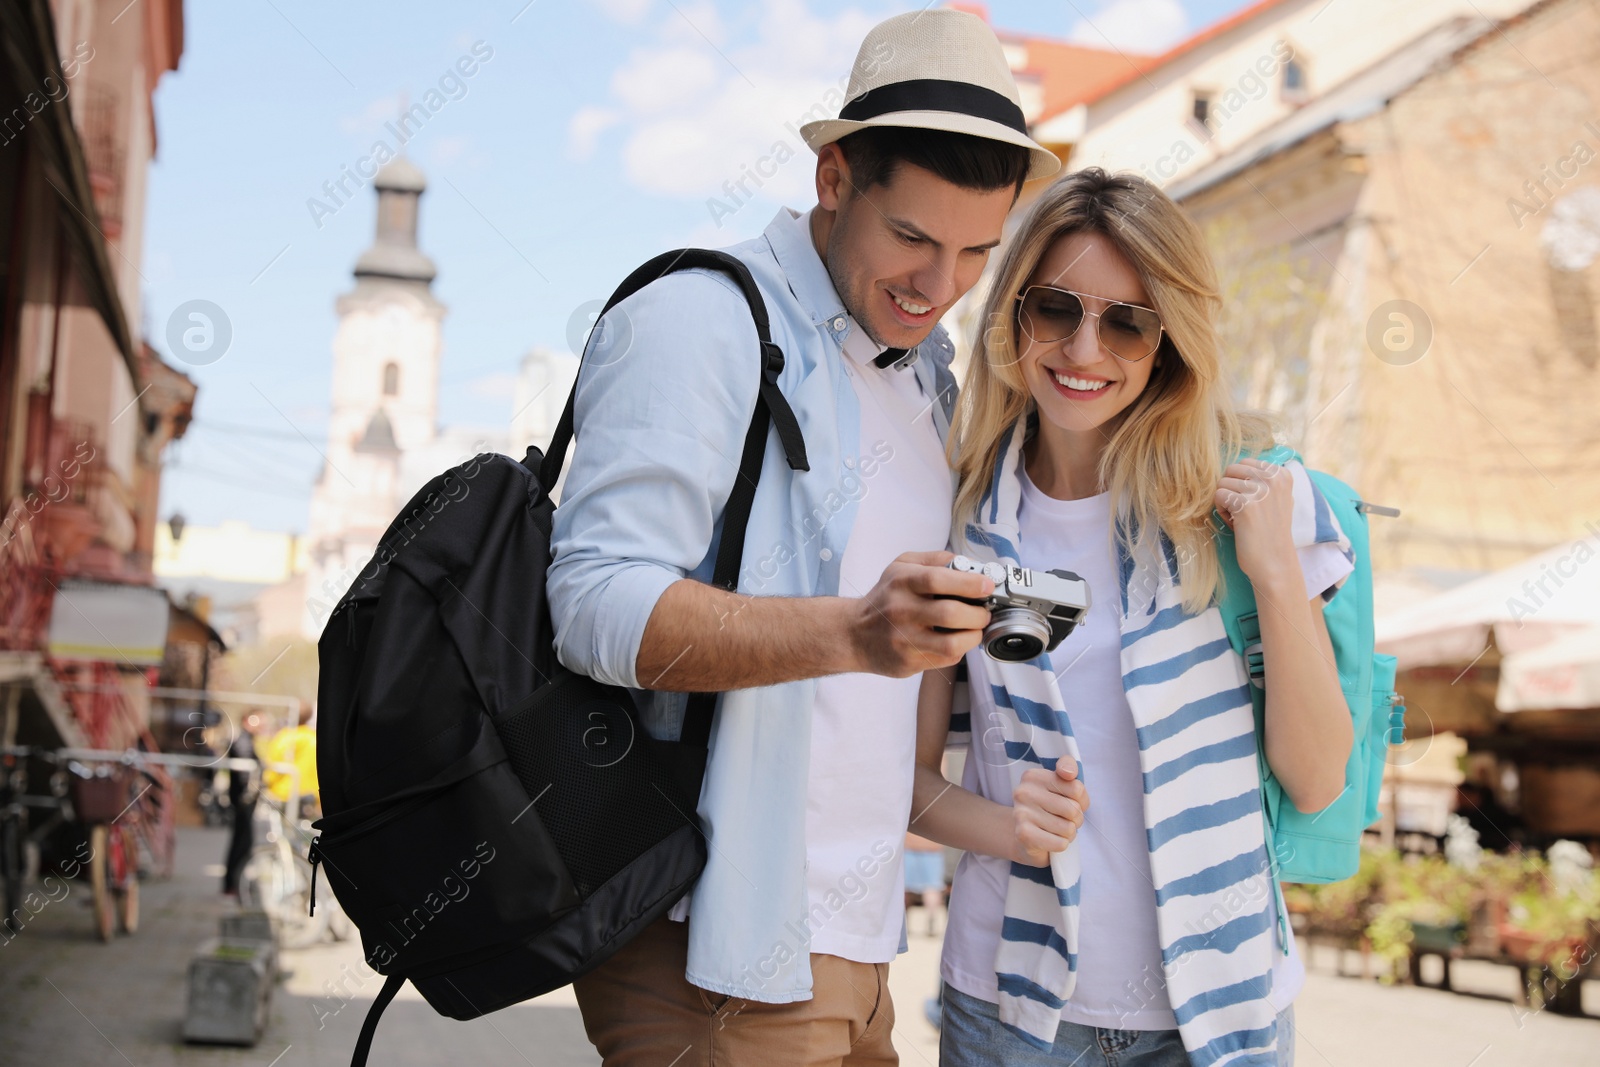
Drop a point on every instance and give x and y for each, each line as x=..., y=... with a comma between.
x=694, y=23
x=658, y=80
x=701, y=120
x=626, y=12
x=1135, y=25
x=586, y=127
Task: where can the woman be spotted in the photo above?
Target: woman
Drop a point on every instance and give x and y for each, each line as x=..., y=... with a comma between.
x=1095, y=434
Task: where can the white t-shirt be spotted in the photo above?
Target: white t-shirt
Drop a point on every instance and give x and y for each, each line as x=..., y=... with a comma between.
x=1120, y=981
x=864, y=726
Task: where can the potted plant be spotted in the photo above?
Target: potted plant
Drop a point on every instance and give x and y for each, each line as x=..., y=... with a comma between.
x=1426, y=903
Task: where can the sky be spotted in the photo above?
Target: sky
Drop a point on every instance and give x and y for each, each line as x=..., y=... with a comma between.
x=591, y=135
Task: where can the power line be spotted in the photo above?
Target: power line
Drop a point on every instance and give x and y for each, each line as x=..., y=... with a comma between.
x=234, y=480
x=234, y=427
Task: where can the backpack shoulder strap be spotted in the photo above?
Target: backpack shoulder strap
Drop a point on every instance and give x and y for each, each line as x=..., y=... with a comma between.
x=666, y=263
x=772, y=410
x=369, y=1026
x=1238, y=603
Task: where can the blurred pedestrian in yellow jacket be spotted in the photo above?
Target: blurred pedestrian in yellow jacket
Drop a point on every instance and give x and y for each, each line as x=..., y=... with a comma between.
x=295, y=746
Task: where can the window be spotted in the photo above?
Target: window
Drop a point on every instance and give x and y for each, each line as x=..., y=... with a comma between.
x=391, y=379
x=1294, y=89
x=1201, y=114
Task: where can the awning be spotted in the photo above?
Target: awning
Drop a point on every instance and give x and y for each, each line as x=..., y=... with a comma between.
x=1563, y=675
x=28, y=56
x=1526, y=605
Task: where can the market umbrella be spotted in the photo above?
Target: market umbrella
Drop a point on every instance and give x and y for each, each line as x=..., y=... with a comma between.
x=1526, y=605
x=1562, y=674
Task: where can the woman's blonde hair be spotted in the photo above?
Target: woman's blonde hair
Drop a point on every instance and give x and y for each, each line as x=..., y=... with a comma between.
x=1162, y=463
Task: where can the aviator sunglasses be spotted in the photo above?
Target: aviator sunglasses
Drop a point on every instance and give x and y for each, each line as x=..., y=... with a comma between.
x=1048, y=315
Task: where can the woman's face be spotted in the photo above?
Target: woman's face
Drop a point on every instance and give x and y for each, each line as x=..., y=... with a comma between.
x=1078, y=385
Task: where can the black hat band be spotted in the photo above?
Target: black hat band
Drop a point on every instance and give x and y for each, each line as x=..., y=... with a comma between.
x=936, y=94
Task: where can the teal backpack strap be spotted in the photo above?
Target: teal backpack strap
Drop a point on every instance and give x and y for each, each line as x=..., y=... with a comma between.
x=1243, y=626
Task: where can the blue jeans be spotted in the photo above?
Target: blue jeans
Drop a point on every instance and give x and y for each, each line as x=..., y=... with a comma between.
x=972, y=1036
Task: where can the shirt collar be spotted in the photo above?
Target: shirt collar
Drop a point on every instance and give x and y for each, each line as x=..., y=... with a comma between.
x=789, y=234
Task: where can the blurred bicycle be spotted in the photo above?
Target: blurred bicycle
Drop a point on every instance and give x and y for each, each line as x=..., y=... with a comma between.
x=19, y=839
x=277, y=878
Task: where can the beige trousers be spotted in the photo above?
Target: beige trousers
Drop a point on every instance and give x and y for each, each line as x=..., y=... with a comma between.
x=640, y=1011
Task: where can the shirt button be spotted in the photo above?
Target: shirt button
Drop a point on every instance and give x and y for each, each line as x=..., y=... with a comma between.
x=825, y=555
x=838, y=323
x=849, y=463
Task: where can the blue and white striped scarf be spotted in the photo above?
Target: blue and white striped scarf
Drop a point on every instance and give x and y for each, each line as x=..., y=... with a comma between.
x=1216, y=903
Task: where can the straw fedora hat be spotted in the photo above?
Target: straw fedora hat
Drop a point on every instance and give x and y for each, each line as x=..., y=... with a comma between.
x=938, y=69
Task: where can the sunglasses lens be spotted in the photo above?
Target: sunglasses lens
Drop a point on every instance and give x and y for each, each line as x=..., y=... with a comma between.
x=1050, y=314
x=1130, y=332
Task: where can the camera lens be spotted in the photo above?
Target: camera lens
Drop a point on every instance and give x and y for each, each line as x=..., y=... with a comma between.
x=1015, y=635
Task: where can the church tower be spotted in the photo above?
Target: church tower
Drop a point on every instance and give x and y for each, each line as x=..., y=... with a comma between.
x=385, y=393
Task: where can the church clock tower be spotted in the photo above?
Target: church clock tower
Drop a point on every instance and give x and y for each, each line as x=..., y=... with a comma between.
x=385, y=393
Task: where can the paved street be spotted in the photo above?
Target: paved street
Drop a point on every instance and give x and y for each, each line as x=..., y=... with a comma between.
x=67, y=999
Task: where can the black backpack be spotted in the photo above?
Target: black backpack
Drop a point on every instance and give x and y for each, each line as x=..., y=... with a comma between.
x=495, y=825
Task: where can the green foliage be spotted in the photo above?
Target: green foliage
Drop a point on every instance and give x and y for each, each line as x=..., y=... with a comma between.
x=1343, y=909
x=1390, y=896
x=1419, y=890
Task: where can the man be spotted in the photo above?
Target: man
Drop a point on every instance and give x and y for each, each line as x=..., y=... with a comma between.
x=293, y=746
x=243, y=787
x=843, y=598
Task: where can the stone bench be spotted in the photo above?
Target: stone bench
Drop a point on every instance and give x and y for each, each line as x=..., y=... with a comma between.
x=230, y=988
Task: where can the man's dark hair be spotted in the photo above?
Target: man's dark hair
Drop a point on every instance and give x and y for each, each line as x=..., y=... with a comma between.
x=961, y=159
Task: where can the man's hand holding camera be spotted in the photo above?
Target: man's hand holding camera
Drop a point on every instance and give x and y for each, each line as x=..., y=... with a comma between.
x=917, y=617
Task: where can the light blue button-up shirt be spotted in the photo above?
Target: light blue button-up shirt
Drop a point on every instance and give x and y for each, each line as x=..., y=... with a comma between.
x=665, y=395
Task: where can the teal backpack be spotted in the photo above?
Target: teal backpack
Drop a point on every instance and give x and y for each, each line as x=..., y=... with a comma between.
x=1324, y=846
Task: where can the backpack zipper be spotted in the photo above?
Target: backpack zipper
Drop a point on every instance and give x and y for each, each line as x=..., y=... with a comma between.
x=315, y=857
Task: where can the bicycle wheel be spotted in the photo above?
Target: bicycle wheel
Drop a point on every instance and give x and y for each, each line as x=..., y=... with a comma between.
x=297, y=928
x=105, y=917
x=127, y=883
x=273, y=883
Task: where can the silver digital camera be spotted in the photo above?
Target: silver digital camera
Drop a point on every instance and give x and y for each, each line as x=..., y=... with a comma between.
x=1030, y=612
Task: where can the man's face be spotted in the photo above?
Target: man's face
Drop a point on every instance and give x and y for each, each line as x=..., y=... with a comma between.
x=901, y=254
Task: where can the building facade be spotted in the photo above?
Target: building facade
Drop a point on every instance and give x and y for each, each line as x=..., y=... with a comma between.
x=86, y=408
x=1439, y=218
